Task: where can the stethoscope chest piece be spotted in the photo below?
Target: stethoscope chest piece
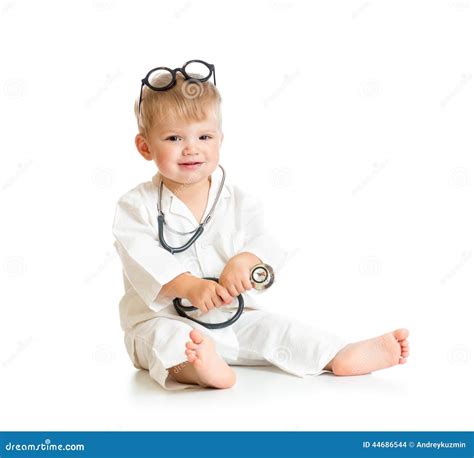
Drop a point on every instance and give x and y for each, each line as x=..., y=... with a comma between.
x=262, y=276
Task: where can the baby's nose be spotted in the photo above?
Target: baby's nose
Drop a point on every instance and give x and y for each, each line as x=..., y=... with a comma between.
x=190, y=149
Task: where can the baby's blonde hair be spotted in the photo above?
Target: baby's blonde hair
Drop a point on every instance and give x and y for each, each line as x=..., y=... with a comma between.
x=188, y=100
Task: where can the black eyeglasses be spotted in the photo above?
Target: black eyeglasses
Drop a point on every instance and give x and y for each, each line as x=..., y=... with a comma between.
x=196, y=67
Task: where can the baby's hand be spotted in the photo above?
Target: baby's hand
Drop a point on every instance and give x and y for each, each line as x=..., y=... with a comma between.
x=235, y=277
x=207, y=294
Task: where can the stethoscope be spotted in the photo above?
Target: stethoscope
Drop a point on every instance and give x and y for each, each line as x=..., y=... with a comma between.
x=261, y=275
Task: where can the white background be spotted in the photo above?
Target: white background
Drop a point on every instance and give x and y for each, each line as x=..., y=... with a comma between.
x=352, y=120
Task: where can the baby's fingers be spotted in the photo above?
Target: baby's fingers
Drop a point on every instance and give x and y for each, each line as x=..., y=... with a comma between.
x=216, y=300
x=240, y=287
x=247, y=284
x=224, y=294
x=233, y=290
x=202, y=306
x=209, y=304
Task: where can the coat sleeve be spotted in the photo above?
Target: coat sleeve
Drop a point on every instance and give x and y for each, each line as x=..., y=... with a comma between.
x=257, y=239
x=145, y=263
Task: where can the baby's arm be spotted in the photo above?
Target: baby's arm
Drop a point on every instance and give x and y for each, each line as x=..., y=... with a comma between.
x=203, y=294
x=235, y=277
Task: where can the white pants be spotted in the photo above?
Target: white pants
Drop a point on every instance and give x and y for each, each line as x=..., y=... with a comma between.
x=257, y=338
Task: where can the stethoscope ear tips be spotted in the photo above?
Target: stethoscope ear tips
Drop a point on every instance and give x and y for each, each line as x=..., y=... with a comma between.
x=262, y=276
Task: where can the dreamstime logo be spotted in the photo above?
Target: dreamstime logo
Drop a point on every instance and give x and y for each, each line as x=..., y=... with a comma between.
x=192, y=88
x=104, y=5
x=109, y=255
x=42, y=446
x=459, y=4
x=370, y=266
x=462, y=83
x=360, y=10
x=183, y=9
x=281, y=355
x=109, y=79
x=459, y=178
x=21, y=169
x=378, y=167
x=281, y=177
x=21, y=346
x=369, y=89
x=179, y=367
x=8, y=6
x=465, y=256
x=103, y=354
x=287, y=80
x=14, y=266
x=459, y=354
x=14, y=88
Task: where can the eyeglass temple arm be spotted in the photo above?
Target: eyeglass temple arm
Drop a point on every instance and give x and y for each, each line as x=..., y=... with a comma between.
x=140, y=102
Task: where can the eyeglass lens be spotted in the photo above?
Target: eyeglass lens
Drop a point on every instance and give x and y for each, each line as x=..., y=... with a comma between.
x=162, y=77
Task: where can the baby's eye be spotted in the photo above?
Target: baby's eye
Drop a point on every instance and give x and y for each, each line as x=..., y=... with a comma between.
x=173, y=138
x=208, y=136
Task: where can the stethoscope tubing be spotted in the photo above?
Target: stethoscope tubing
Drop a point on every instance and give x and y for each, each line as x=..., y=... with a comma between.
x=182, y=309
x=179, y=307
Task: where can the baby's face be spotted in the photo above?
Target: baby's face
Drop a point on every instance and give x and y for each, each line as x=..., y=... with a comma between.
x=186, y=152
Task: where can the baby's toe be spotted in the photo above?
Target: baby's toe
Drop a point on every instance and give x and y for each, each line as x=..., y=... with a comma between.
x=401, y=334
x=191, y=345
x=196, y=336
x=404, y=348
x=191, y=354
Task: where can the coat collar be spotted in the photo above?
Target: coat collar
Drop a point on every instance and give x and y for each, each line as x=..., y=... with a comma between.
x=170, y=203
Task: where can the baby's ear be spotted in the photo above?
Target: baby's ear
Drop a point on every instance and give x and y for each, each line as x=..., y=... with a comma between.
x=142, y=147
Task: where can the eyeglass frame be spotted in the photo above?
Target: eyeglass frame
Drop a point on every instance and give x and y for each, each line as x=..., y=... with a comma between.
x=173, y=72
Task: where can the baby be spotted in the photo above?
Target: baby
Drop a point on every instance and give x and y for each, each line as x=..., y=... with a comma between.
x=180, y=129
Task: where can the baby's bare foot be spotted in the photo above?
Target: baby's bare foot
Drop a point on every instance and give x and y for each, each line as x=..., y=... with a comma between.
x=211, y=369
x=373, y=354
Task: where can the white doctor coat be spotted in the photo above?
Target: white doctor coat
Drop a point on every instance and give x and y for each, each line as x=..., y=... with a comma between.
x=236, y=226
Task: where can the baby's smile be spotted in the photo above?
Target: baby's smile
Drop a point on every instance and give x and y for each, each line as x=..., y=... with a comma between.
x=190, y=165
